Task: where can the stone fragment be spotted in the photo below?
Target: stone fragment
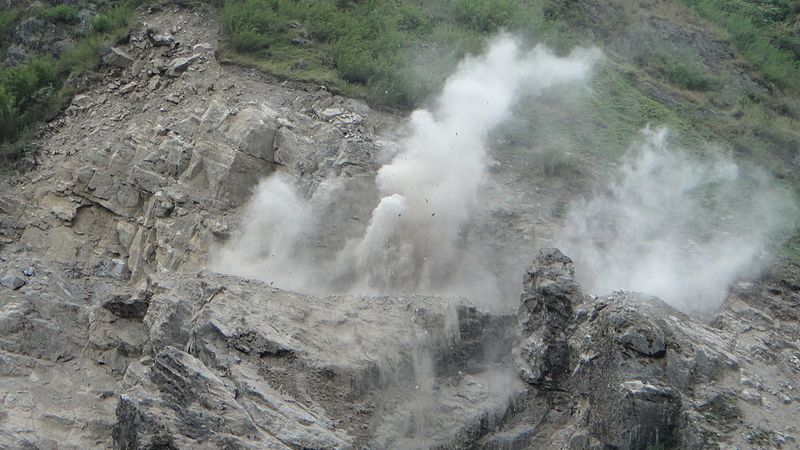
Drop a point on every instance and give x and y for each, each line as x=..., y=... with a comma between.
x=161, y=39
x=179, y=65
x=13, y=279
x=214, y=115
x=203, y=47
x=82, y=102
x=154, y=83
x=116, y=57
x=128, y=88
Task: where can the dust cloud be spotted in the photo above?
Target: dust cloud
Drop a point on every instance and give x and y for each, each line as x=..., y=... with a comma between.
x=676, y=226
x=427, y=192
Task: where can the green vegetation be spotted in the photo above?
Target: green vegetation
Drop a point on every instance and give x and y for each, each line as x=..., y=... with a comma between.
x=35, y=90
x=374, y=47
x=767, y=34
x=62, y=13
x=102, y=24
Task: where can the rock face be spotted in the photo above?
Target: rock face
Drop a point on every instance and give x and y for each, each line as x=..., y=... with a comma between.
x=547, y=308
x=633, y=369
x=112, y=334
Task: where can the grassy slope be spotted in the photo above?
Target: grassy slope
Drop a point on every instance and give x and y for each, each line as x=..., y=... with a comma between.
x=393, y=52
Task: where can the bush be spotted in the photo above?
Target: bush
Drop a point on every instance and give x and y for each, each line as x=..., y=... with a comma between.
x=248, y=40
x=101, y=23
x=62, y=13
x=690, y=76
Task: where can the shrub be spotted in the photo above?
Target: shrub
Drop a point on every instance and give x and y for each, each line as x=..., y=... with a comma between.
x=101, y=23
x=62, y=13
x=248, y=40
x=690, y=76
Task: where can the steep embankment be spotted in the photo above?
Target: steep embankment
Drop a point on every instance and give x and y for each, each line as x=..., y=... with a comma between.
x=112, y=335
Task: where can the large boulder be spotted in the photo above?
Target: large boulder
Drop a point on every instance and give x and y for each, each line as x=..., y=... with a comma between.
x=548, y=301
x=252, y=131
x=622, y=363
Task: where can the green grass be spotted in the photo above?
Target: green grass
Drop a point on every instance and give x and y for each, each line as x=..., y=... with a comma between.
x=375, y=47
x=765, y=33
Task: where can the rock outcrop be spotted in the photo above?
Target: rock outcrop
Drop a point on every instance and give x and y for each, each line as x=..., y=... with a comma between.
x=629, y=370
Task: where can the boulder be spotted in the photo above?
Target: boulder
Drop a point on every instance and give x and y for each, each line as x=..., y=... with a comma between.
x=13, y=279
x=252, y=130
x=549, y=298
x=15, y=55
x=622, y=361
x=228, y=174
x=179, y=65
x=116, y=57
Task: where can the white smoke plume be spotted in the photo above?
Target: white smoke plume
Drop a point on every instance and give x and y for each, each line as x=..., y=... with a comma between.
x=427, y=192
x=675, y=227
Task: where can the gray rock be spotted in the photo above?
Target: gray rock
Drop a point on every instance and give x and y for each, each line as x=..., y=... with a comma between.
x=644, y=339
x=116, y=57
x=154, y=83
x=13, y=279
x=127, y=304
x=179, y=65
x=128, y=88
x=203, y=47
x=549, y=298
x=252, y=131
x=160, y=39
x=15, y=55
x=214, y=115
x=179, y=403
x=82, y=102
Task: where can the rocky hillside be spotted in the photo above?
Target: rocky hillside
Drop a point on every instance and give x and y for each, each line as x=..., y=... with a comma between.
x=113, y=333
